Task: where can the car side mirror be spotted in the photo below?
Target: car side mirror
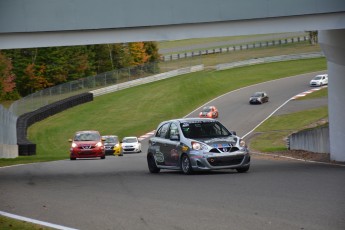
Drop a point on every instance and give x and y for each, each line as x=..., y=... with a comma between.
x=234, y=133
x=174, y=137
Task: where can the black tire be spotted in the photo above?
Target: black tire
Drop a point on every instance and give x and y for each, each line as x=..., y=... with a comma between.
x=243, y=169
x=103, y=157
x=151, y=163
x=186, y=166
x=73, y=158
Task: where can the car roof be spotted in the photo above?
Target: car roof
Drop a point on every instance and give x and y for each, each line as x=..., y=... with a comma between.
x=129, y=137
x=191, y=119
x=321, y=75
x=109, y=136
x=87, y=131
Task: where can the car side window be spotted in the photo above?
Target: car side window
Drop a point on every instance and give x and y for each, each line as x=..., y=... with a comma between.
x=162, y=131
x=219, y=131
x=173, y=131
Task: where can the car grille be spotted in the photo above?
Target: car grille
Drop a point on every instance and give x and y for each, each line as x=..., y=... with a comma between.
x=225, y=149
x=86, y=147
x=225, y=161
x=130, y=149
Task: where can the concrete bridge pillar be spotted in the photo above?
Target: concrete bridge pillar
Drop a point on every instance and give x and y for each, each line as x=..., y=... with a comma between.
x=333, y=46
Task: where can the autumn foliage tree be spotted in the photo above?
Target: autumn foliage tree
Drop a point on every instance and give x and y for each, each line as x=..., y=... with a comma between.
x=38, y=68
x=7, y=80
x=35, y=78
x=137, y=53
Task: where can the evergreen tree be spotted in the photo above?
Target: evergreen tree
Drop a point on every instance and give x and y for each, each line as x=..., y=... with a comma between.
x=151, y=49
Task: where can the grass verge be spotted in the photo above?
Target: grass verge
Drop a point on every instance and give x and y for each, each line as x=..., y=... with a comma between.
x=273, y=132
x=316, y=94
x=13, y=224
x=240, y=55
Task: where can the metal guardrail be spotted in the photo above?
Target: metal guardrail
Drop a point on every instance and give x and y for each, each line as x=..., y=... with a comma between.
x=157, y=77
x=269, y=60
x=56, y=93
x=314, y=140
x=227, y=49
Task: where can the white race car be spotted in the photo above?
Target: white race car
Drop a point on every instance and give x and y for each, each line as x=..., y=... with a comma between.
x=319, y=80
x=131, y=144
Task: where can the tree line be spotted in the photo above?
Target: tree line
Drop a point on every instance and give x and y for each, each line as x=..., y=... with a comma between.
x=25, y=71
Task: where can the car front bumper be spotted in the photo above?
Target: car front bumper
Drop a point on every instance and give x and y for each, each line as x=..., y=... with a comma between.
x=130, y=150
x=214, y=161
x=77, y=153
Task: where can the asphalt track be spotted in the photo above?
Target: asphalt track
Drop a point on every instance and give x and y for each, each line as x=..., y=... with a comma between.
x=120, y=193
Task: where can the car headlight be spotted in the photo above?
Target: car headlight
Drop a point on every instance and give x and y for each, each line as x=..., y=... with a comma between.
x=99, y=144
x=242, y=143
x=74, y=145
x=198, y=146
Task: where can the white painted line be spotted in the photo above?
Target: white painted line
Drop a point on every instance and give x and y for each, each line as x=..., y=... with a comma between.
x=293, y=98
x=267, y=118
x=13, y=216
x=242, y=89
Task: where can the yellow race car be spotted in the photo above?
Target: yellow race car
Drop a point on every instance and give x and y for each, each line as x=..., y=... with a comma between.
x=112, y=145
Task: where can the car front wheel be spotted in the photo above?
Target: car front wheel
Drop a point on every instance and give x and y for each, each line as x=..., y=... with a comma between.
x=186, y=166
x=151, y=163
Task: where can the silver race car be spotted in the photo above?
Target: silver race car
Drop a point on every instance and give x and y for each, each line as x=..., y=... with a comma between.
x=196, y=144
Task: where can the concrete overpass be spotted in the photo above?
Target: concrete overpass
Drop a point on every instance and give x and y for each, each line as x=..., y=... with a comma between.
x=44, y=23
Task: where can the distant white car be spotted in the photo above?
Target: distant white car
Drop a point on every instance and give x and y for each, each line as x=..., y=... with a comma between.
x=319, y=80
x=131, y=144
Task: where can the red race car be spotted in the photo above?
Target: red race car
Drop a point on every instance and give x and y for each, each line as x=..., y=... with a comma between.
x=209, y=112
x=87, y=144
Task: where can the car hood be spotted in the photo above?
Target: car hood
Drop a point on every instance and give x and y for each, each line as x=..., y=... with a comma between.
x=86, y=142
x=219, y=141
x=110, y=143
x=129, y=144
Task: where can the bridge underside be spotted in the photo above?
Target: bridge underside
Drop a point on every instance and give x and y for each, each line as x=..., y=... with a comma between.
x=173, y=32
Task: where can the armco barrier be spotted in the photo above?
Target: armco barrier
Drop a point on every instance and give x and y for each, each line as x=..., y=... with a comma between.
x=280, y=58
x=140, y=81
x=313, y=140
x=25, y=147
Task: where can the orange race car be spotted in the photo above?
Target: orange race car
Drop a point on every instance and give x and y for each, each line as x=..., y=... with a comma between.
x=209, y=112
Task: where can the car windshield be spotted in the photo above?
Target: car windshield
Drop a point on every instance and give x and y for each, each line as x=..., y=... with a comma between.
x=317, y=78
x=129, y=140
x=206, y=109
x=258, y=94
x=204, y=129
x=87, y=137
x=111, y=140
